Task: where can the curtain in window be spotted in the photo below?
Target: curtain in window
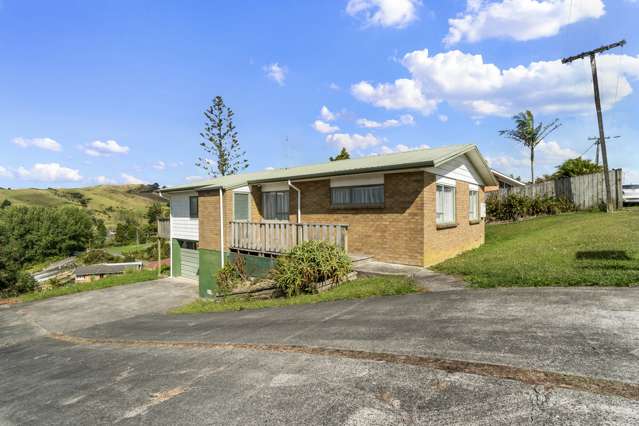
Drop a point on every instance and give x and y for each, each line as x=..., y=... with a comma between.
x=240, y=206
x=275, y=205
x=358, y=195
x=341, y=196
x=445, y=204
x=473, y=206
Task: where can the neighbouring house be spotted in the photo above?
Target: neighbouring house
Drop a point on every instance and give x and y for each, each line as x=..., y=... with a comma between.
x=416, y=208
x=505, y=182
x=95, y=272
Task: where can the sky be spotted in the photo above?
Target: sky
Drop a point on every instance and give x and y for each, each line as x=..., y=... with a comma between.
x=114, y=91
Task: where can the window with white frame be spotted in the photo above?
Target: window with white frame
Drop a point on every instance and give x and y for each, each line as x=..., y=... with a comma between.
x=241, y=206
x=358, y=196
x=445, y=204
x=275, y=205
x=473, y=205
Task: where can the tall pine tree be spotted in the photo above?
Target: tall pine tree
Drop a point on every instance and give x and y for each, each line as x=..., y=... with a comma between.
x=224, y=155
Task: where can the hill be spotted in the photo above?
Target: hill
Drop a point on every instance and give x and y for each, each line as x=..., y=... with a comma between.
x=106, y=201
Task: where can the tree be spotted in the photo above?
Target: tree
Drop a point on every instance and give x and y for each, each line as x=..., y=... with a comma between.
x=343, y=155
x=529, y=134
x=5, y=203
x=577, y=167
x=225, y=157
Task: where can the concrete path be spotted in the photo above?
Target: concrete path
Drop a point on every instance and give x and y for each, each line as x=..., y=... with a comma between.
x=127, y=362
x=424, y=277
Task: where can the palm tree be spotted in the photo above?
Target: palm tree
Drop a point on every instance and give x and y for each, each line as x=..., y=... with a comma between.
x=529, y=134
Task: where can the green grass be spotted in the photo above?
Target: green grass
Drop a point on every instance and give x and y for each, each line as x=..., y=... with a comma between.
x=578, y=249
x=357, y=289
x=128, y=248
x=127, y=278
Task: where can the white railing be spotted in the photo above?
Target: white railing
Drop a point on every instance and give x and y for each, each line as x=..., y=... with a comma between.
x=279, y=237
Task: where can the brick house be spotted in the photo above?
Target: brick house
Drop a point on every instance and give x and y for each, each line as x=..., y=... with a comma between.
x=415, y=208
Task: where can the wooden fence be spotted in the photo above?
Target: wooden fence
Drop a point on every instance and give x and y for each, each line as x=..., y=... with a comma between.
x=586, y=192
x=279, y=237
x=164, y=229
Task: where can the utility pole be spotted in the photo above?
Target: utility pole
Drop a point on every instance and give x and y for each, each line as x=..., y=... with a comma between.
x=596, y=139
x=595, y=82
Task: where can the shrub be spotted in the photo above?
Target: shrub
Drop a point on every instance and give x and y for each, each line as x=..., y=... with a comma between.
x=97, y=256
x=308, y=263
x=231, y=274
x=515, y=206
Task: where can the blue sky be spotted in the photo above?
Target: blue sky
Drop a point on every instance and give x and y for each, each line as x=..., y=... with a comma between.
x=113, y=92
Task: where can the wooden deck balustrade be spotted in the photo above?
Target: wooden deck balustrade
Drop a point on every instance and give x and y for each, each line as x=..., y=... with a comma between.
x=280, y=237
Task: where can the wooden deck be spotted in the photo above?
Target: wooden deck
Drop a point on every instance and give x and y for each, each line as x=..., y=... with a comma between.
x=280, y=237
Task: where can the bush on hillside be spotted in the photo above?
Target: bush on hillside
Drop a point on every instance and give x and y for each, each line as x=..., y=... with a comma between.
x=308, y=263
x=516, y=206
x=98, y=256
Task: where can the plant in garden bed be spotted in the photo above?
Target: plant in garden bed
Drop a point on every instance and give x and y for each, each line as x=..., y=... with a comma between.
x=309, y=263
x=231, y=275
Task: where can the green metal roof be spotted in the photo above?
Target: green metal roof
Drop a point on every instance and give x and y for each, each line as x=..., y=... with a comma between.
x=428, y=157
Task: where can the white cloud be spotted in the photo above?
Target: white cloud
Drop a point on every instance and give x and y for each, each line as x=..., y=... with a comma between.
x=403, y=93
x=443, y=118
x=401, y=148
x=353, y=141
x=276, y=73
x=326, y=114
x=519, y=19
x=467, y=82
x=404, y=120
x=384, y=13
x=334, y=86
x=194, y=178
x=323, y=127
x=159, y=165
x=49, y=172
x=103, y=149
x=548, y=155
x=132, y=180
x=551, y=152
x=6, y=173
x=42, y=143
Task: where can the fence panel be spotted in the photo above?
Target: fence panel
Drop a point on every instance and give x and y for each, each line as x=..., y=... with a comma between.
x=586, y=191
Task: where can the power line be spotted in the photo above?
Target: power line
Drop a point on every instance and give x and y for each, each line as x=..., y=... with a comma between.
x=597, y=143
x=595, y=83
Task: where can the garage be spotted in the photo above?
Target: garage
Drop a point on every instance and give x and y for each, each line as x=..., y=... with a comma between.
x=189, y=259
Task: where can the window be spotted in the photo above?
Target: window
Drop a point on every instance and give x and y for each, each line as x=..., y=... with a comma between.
x=189, y=245
x=445, y=205
x=193, y=207
x=241, y=206
x=473, y=205
x=275, y=205
x=358, y=196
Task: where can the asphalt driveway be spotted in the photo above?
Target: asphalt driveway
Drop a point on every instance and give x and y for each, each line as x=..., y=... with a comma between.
x=114, y=356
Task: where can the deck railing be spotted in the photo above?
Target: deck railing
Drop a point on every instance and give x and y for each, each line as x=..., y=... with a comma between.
x=164, y=229
x=279, y=237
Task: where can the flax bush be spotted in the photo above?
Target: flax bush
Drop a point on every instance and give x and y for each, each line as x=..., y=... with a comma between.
x=309, y=263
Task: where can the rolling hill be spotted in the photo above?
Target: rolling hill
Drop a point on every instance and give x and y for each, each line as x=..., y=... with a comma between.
x=105, y=201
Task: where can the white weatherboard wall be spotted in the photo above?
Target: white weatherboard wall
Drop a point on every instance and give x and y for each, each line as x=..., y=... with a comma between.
x=459, y=168
x=183, y=227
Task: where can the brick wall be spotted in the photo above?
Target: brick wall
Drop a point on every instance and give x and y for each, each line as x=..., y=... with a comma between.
x=442, y=244
x=209, y=218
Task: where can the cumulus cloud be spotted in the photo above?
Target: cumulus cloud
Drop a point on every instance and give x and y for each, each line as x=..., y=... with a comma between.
x=402, y=94
x=467, y=82
x=159, y=165
x=353, y=141
x=384, y=149
x=103, y=149
x=49, y=172
x=334, y=86
x=326, y=114
x=324, y=127
x=276, y=73
x=519, y=19
x=103, y=180
x=384, y=13
x=548, y=155
x=132, y=180
x=194, y=178
x=42, y=143
x=404, y=120
x=6, y=173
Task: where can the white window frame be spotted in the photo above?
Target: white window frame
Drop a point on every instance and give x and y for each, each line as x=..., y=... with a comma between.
x=438, y=208
x=473, y=217
x=248, y=203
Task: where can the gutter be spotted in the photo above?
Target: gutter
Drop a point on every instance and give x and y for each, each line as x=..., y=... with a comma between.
x=299, y=201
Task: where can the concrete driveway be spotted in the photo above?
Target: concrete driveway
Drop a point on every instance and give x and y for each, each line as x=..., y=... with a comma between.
x=568, y=356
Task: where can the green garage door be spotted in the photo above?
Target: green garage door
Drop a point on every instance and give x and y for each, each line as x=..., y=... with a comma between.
x=190, y=263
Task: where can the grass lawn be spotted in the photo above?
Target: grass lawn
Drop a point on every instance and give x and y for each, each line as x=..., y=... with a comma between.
x=128, y=248
x=127, y=278
x=357, y=289
x=567, y=250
